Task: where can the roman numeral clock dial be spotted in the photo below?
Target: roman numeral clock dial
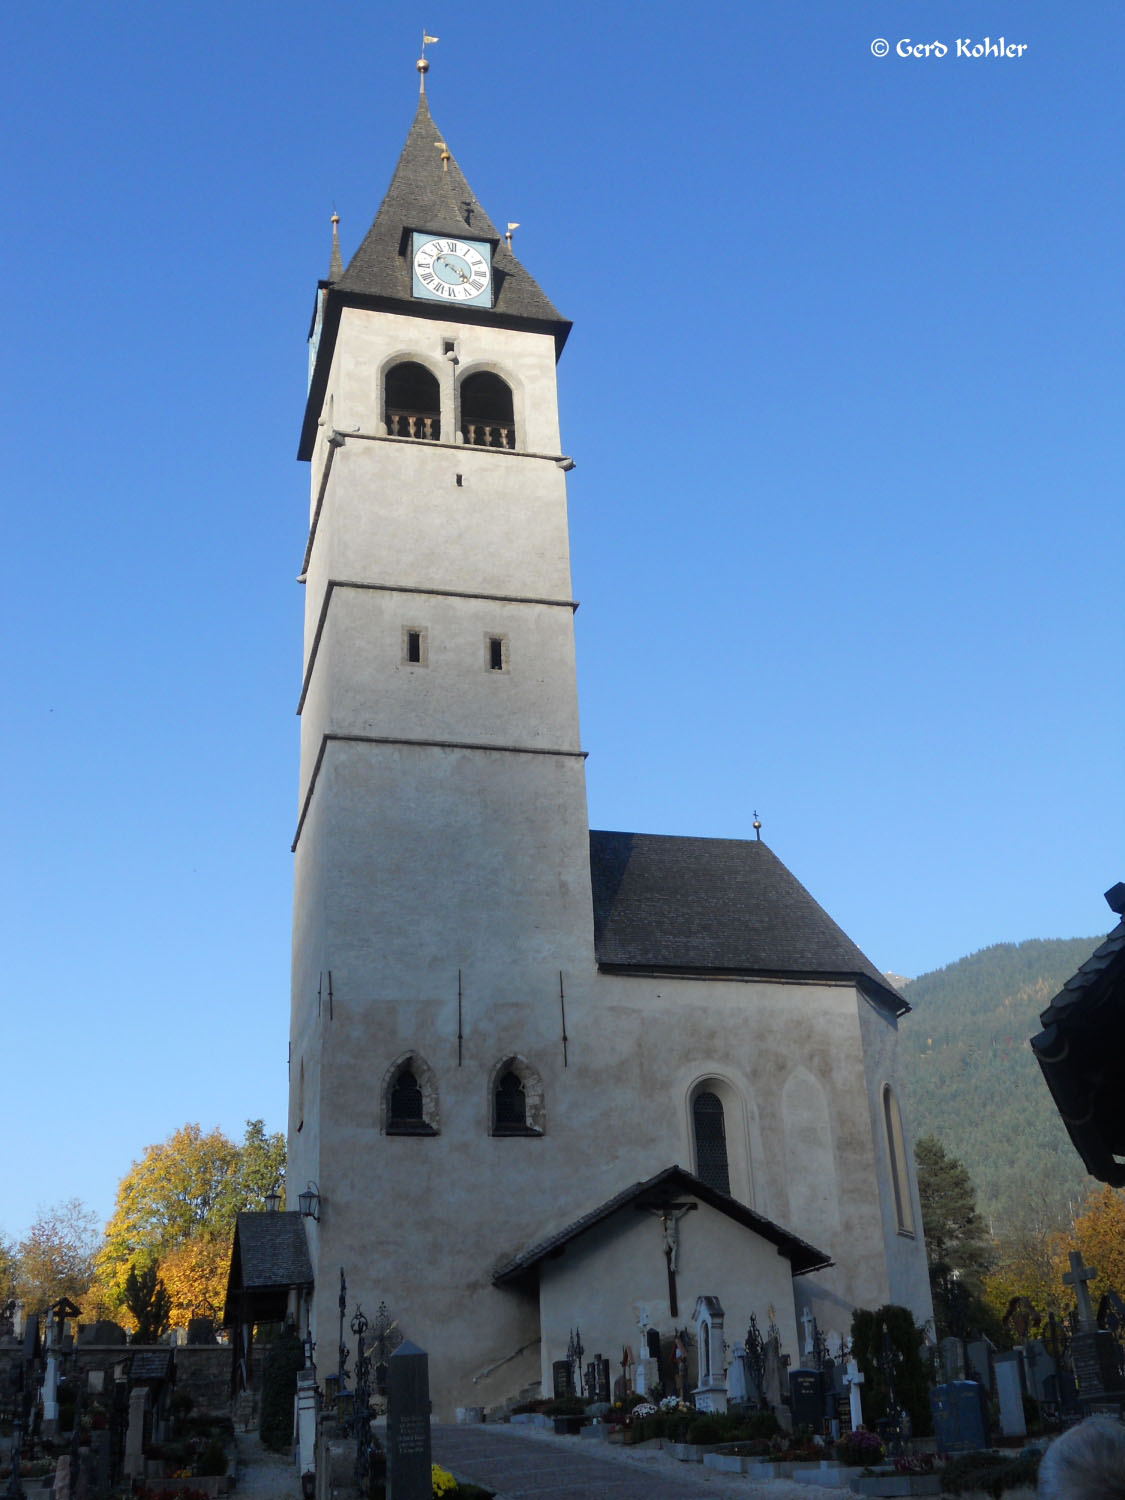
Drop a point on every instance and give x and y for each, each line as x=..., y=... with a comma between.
x=452, y=270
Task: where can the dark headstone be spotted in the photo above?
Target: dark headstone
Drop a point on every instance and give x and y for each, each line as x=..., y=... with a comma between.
x=953, y=1363
x=1095, y=1359
x=106, y=1331
x=408, y=1424
x=844, y=1414
x=960, y=1416
x=978, y=1357
x=201, y=1331
x=562, y=1375
x=150, y=1366
x=590, y=1382
x=603, y=1387
x=806, y=1398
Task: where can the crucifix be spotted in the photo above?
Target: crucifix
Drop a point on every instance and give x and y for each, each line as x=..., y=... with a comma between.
x=808, y=1323
x=670, y=1216
x=1077, y=1277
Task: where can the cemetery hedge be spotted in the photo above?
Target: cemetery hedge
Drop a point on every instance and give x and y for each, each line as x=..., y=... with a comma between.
x=912, y=1388
x=991, y=1472
x=279, y=1387
x=703, y=1428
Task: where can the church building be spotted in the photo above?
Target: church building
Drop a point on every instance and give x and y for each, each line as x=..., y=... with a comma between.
x=546, y=1081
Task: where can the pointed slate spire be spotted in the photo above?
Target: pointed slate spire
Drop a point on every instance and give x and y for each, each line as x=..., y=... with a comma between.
x=335, y=263
x=428, y=191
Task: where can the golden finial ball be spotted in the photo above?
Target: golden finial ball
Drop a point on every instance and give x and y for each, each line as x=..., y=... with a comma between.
x=422, y=65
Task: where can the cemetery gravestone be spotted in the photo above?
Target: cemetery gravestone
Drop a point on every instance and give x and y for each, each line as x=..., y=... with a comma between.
x=562, y=1377
x=135, y=1434
x=853, y=1380
x=806, y=1398
x=408, y=1424
x=953, y=1364
x=1009, y=1393
x=960, y=1416
x=979, y=1360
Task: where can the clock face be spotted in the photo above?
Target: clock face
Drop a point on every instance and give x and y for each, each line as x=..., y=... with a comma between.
x=450, y=270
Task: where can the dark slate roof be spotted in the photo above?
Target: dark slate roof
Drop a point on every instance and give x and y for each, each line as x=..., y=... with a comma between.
x=687, y=905
x=423, y=195
x=272, y=1251
x=1081, y=1051
x=672, y=1182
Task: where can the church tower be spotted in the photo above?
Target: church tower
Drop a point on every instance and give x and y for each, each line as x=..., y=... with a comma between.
x=522, y=1052
x=442, y=879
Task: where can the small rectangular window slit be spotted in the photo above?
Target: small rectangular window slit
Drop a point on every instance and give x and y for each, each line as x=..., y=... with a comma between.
x=460, y=480
x=414, y=651
x=496, y=653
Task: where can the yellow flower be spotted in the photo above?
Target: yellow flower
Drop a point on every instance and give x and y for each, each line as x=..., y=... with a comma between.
x=442, y=1480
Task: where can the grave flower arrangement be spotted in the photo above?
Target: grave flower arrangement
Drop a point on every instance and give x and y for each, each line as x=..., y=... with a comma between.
x=860, y=1448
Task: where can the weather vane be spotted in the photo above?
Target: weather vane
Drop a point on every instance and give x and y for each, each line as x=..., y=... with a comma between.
x=757, y=825
x=508, y=233
x=422, y=65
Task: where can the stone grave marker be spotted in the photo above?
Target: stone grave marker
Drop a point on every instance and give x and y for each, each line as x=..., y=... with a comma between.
x=853, y=1380
x=408, y=1424
x=978, y=1357
x=806, y=1398
x=602, y=1385
x=135, y=1434
x=1009, y=1393
x=738, y=1385
x=953, y=1362
x=960, y=1416
x=1093, y=1350
x=562, y=1378
x=201, y=1331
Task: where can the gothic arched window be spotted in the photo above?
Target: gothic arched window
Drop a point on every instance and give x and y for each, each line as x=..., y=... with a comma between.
x=896, y=1150
x=516, y=1098
x=487, y=413
x=410, y=1102
x=710, y=1133
x=412, y=402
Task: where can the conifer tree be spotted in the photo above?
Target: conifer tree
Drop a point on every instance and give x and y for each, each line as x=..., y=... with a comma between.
x=957, y=1244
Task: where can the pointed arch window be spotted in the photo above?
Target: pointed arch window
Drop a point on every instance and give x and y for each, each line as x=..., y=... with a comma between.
x=412, y=401
x=516, y=1099
x=410, y=1101
x=487, y=411
x=896, y=1150
x=709, y=1128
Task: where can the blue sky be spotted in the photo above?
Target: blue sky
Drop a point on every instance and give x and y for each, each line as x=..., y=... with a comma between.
x=844, y=392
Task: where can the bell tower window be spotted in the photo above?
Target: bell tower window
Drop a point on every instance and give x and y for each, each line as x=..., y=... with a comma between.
x=487, y=413
x=412, y=402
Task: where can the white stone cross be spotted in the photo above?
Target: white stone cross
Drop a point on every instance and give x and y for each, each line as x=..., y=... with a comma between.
x=853, y=1380
x=1077, y=1277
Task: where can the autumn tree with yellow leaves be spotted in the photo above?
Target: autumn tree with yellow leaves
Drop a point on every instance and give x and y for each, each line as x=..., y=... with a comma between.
x=176, y=1209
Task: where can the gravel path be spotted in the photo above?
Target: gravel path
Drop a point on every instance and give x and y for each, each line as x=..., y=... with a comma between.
x=530, y=1464
x=262, y=1474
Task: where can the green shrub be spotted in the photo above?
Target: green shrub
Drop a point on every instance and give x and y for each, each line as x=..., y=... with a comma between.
x=565, y=1406
x=213, y=1459
x=707, y=1429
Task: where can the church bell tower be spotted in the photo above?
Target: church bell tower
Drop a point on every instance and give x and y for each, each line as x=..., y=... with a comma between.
x=442, y=876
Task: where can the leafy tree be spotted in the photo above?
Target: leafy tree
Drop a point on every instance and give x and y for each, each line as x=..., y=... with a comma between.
x=178, y=1206
x=56, y=1257
x=1099, y=1232
x=147, y=1299
x=957, y=1243
x=8, y=1269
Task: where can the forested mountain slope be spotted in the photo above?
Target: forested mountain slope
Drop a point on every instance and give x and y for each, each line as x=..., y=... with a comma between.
x=973, y=1081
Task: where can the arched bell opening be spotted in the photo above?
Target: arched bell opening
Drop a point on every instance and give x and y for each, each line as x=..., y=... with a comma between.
x=412, y=402
x=487, y=411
